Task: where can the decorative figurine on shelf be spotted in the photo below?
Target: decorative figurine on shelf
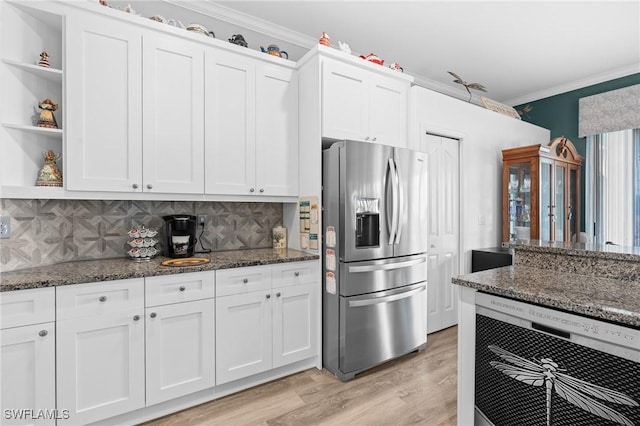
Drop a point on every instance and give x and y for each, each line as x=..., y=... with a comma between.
x=50, y=174
x=344, y=47
x=274, y=50
x=325, y=40
x=46, y=118
x=44, y=59
x=239, y=40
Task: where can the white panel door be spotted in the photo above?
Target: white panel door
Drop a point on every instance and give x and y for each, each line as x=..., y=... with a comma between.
x=173, y=115
x=230, y=109
x=388, y=111
x=443, y=234
x=345, y=101
x=294, y=324
x=180, y=349
x=103, y=81
x=243, y=335
x=27, y=355
x=276, y=131
x=100, y=365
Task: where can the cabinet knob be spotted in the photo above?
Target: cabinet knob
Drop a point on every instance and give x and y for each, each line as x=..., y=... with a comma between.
x=182, y=288
x=103, y=298
x=134, y=186
x=374, y=139
x=149, y=186
x=43, y=333
x=136, y=317
x=245, y=280
x=153, y=315
x=268, y=296
x=296, y=273
x=252, y=190
x=278, y=294
x=366, y=138
x=261, y=189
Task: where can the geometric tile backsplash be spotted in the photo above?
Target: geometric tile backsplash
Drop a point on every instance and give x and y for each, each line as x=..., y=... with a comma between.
x=45, y=232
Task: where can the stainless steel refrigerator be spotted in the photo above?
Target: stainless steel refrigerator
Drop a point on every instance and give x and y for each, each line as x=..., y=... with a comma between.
x=374, y=255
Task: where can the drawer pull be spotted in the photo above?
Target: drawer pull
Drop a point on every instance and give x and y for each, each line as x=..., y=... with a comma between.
x=182, y=288
x=136, y=317
x=268, y=296
x=278, y=294
x=43, y=333
x=245, y=280
x=103, y=298
x=297, y=274
x=153, y=315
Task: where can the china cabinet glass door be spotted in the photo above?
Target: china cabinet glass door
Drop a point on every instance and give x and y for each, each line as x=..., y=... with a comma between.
x=520, y=201
x=546, y=200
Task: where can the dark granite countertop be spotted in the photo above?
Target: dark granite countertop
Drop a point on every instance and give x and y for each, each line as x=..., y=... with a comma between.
x=602, y=251
x=593, y=296
x=118, y=269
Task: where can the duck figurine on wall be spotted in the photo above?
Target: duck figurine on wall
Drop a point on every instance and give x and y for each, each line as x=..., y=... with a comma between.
x=372, y=57
x=274, y=50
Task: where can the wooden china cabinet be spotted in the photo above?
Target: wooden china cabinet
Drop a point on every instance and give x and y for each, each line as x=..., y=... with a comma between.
x=541, y=192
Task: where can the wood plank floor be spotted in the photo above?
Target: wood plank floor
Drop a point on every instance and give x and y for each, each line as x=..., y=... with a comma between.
x=419, y=388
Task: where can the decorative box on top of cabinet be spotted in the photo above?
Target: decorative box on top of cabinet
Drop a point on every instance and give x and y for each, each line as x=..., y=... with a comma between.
x=24, y=84
x=541, y=192
x=363, y=104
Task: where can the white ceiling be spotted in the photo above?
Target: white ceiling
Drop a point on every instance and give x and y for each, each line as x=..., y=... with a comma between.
x=519, y=50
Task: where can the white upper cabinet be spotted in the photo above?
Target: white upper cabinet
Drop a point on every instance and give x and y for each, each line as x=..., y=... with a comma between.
x=361, y=104
x=173, y=117
x=104, y=98
x=229, y=128
x=251, y=129
x=276, y=130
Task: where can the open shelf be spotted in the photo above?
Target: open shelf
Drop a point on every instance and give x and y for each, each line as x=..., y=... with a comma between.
x=44, y=131
x=51, y=74
x=32, y=192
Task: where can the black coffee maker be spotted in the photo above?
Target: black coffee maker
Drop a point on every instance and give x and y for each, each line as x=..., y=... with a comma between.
x=181, y=235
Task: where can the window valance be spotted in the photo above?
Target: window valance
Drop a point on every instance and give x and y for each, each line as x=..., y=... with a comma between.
x=609, y=111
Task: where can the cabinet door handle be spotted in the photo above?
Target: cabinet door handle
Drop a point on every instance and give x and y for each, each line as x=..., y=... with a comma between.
x=153, y=315
x=43, y=333
x=149, y=186
x=251, y=189
x=182, y=288
x=261, y=189
x=296, y=273
x=278, y=294
x=134, y=186
x=268, y=296
x=245, y=280
x=136, y=317
x=103, y=298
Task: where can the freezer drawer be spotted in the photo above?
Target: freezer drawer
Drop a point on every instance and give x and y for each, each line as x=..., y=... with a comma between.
x=358, y=278
x=378, y=327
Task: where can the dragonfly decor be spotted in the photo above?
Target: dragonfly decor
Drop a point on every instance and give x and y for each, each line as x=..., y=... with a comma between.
x=547, y=373
x=474, y=86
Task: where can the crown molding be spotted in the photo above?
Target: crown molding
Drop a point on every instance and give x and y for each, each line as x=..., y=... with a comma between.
x=574, y=85
x=244, y=20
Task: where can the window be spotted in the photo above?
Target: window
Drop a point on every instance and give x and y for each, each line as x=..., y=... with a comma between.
x=613, y=188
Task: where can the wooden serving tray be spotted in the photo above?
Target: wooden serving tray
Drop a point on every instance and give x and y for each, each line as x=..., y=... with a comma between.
x=188, y=261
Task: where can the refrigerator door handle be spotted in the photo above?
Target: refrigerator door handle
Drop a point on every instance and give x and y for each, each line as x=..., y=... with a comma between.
x=387, y=266
x=386, y=299
x=400, y=205
x=394, y=201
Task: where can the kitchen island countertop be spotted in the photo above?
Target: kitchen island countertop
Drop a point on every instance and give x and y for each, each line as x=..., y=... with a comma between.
x=593, y=296
x=124, y=268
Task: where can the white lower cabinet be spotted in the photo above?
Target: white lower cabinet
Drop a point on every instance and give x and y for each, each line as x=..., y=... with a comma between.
x=180, y=337
x=27, y=357
x=267, y=328
x=100, y=356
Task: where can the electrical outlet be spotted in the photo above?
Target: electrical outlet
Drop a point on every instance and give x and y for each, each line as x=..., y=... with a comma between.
x=5, y=226
x=202, y=219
